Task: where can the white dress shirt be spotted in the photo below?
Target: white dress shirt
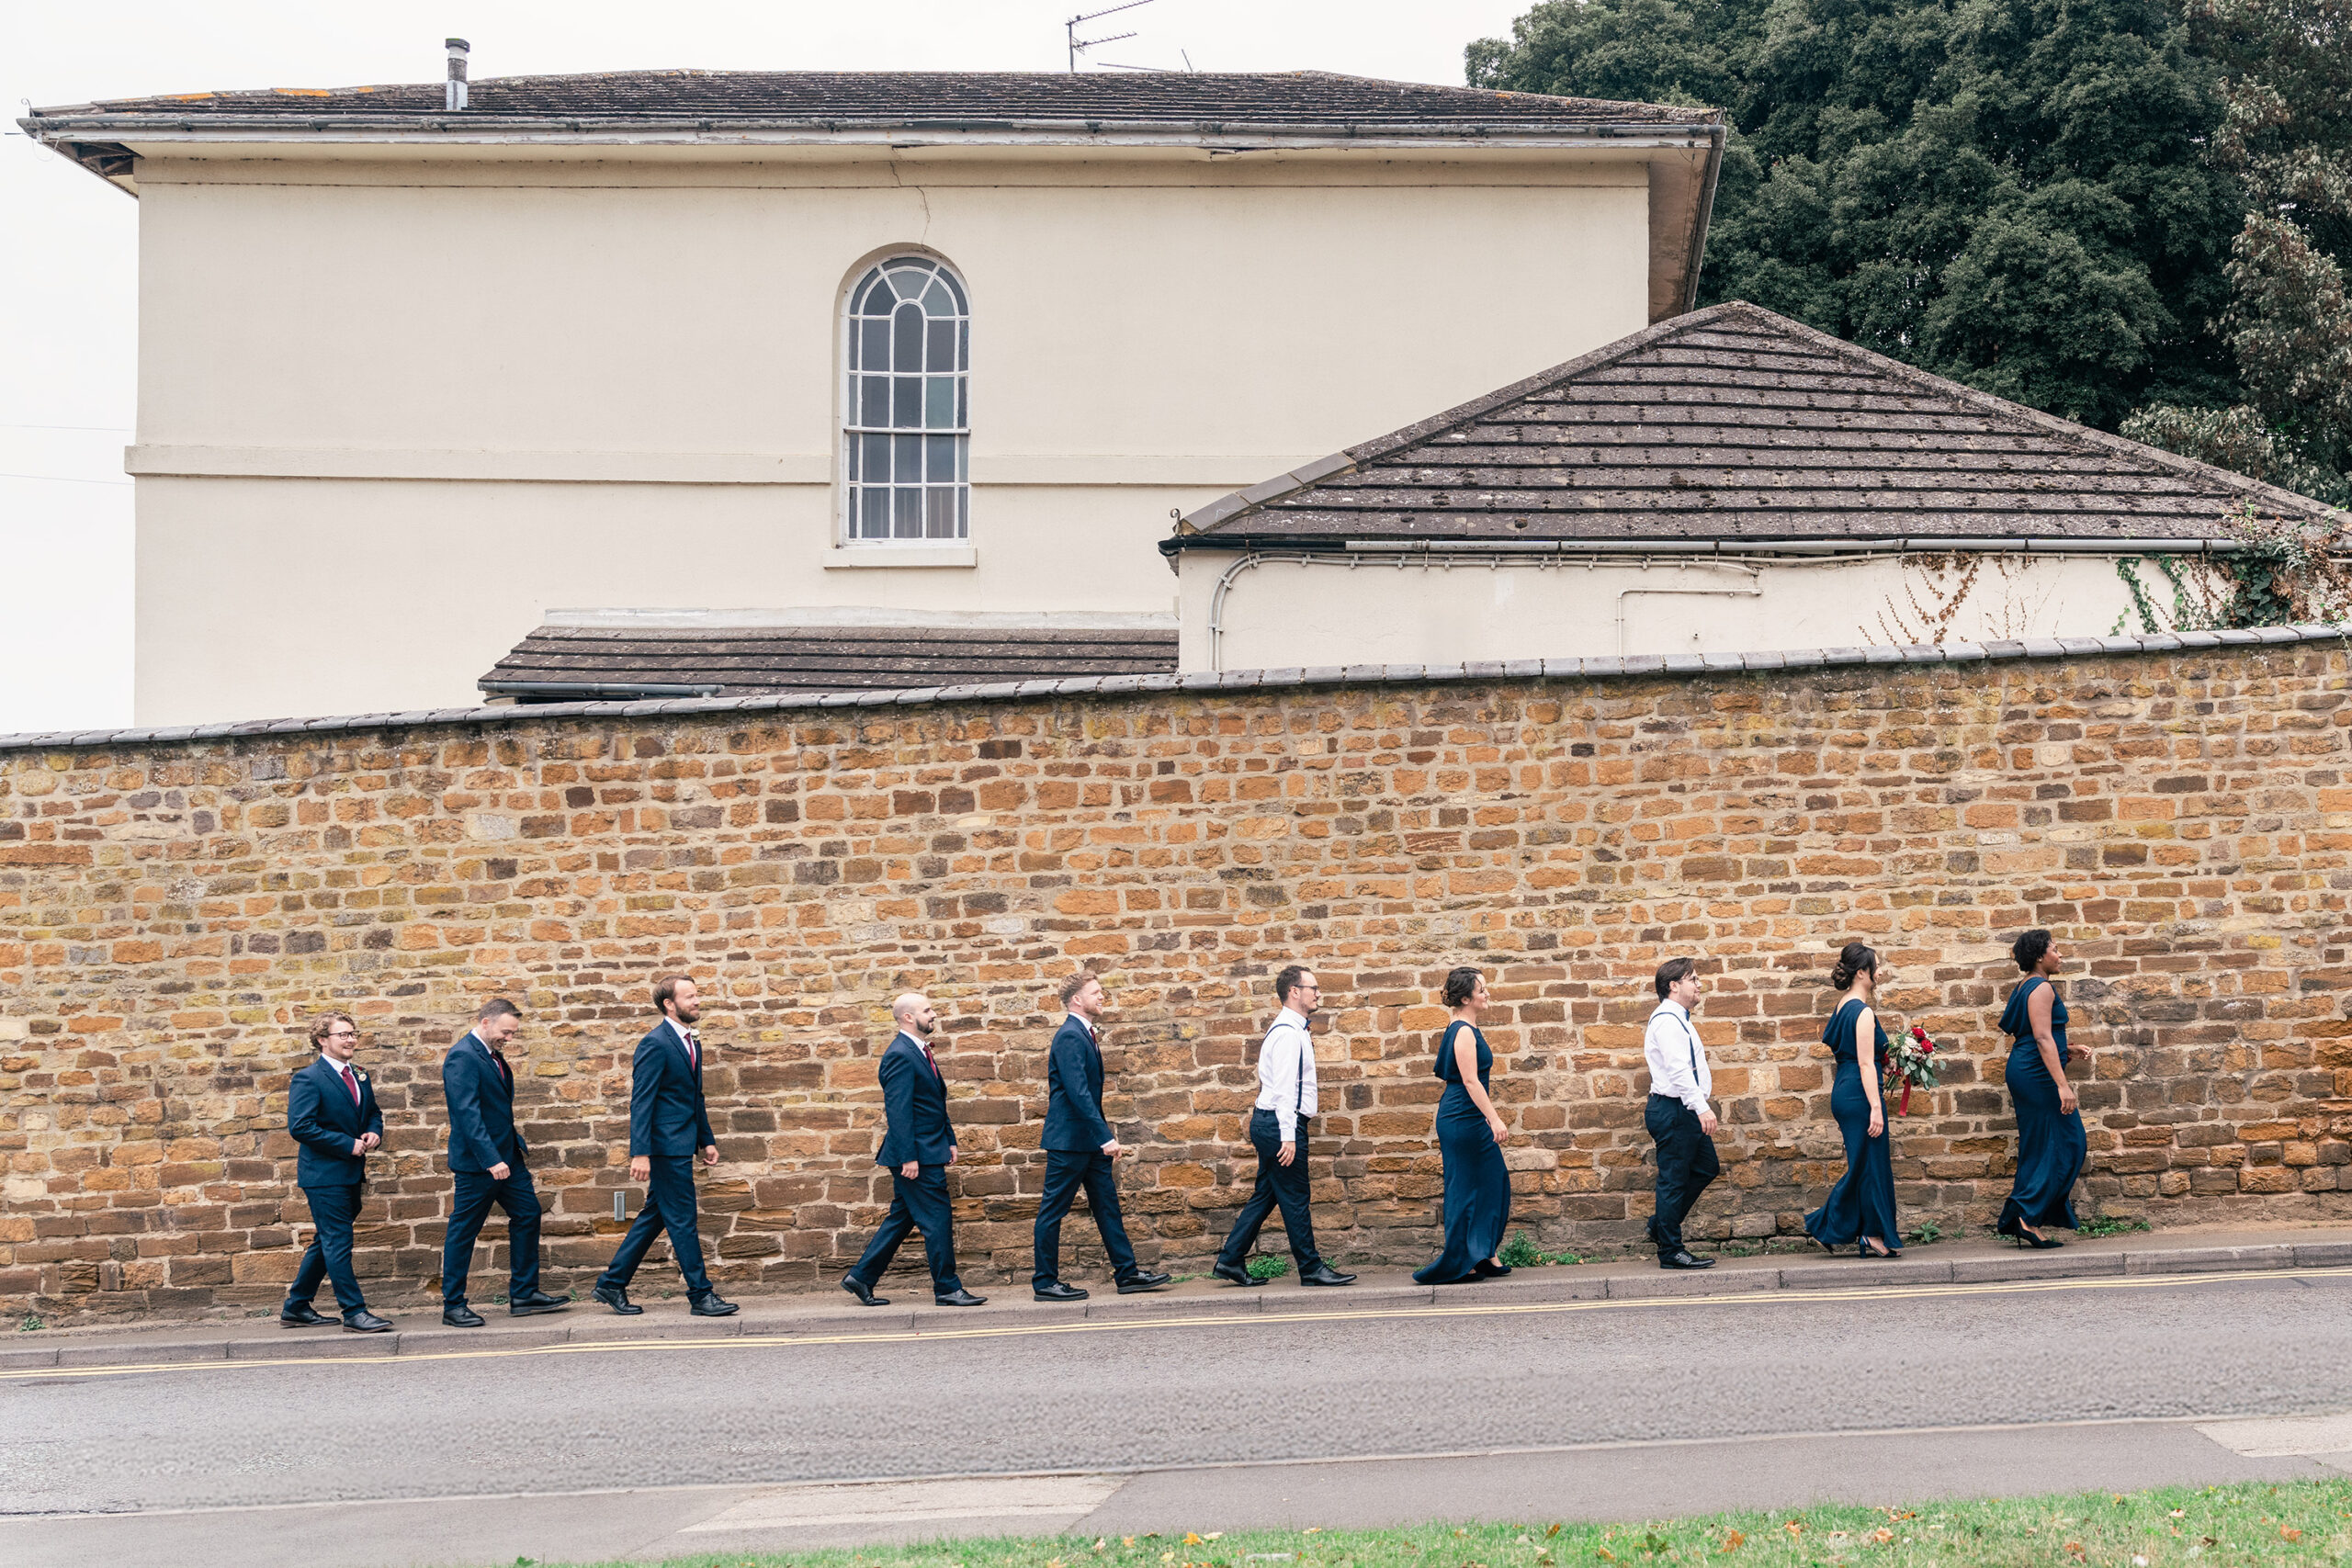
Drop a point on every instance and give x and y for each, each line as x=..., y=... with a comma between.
x=1677, y=1061
x=686, y=1039
x=1073, y=1018
x=1286, y=1073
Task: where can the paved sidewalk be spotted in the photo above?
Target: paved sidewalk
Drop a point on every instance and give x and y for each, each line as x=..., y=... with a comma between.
x=826, y=1312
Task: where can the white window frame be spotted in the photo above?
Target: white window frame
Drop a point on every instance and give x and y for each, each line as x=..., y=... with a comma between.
x=905, y=416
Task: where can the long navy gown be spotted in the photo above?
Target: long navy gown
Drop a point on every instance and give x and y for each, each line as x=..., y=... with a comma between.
x=1478, y=1183
x=1862, y=1203
x=2050, y=1145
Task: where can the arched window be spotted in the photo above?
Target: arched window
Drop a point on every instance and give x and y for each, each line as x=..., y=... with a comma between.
x=908, y=428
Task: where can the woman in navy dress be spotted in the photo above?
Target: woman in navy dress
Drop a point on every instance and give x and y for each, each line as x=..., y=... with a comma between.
x=2050, y=1145
x=1470, y=1134
x=1861, y=1211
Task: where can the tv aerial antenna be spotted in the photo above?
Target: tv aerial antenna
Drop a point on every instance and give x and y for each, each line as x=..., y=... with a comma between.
x=1078, y=46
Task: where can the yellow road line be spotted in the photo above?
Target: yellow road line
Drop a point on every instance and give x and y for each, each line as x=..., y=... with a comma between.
x=1208, y=1320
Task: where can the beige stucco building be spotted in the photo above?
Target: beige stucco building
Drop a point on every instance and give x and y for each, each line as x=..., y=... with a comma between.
x=416, y=378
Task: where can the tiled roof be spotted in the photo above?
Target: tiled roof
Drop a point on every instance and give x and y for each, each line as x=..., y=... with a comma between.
x=597, y=661
x=1692, y=666
x=1731, y=423
x=909, y=96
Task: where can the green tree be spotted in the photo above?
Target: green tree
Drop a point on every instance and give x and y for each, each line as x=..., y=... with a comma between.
x=2009, y=192
x=2287, y=135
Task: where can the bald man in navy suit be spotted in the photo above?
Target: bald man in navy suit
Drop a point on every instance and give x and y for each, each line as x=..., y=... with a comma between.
x=918, y=1146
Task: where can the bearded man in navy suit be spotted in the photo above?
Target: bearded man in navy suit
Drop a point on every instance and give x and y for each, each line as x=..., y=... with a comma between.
x=918, y=1146
x=331, y=1111
x=1080, y=1148
x=487, y=1166
x=667, y=1124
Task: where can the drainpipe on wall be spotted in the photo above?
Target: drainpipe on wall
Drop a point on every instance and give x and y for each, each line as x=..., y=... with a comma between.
x=454, y=94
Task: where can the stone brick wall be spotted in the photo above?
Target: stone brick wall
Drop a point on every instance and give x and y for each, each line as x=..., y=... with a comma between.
x=172, y=912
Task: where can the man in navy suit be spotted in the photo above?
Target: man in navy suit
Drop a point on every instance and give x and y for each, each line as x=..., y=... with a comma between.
x=486, y=1165
x=1080, y=1148
x=666, y=1125
x=331, y=1111
x=918, y=1146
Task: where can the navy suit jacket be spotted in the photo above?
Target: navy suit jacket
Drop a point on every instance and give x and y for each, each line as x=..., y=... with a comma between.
x=321, y=1115
x=666, y=1110
x=914, y=1105
x=1074, y=1091
x=481, y=1109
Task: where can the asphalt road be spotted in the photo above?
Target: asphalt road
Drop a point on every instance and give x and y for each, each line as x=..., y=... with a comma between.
x=686, y=1447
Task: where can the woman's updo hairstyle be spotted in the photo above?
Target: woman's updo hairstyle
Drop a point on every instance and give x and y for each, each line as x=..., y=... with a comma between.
x=1858, y=958
x=2028, y=948
x=1461, y=985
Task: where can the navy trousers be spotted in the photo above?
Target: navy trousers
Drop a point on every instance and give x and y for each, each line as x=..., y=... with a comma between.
x=1067, y=1171
x=920, y=1204
x=333, y=1211
x=1279, y=1185
x=468, y=1207
x=668, y=1206
x=1686, y=1163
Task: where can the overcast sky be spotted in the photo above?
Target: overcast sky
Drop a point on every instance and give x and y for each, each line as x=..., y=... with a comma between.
x=68, y=269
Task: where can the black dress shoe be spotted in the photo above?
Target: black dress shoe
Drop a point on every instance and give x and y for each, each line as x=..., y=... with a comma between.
x=1491, y=1270
x=1055, y=1291
x=863, y=1292
x=365, y=1321
x=1323, y=1274
x=710, y=1303
x=301, y=1314
x=616, y=1298
x=959, y=1297
x=1684, y=1259
x=537, y=1301
x=461, y=1316
x=1143, y=1279
x=1235, y=1272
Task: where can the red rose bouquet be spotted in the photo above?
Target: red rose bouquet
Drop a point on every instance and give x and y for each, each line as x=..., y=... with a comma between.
x=1910, y=1059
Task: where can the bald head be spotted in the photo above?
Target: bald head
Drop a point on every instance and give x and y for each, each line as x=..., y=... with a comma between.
x=914, y=1014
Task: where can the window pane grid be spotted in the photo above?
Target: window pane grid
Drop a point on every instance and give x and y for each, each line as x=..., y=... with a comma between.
x=907, y=443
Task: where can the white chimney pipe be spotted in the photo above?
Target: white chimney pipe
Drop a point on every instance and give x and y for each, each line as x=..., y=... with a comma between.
x=455, y=98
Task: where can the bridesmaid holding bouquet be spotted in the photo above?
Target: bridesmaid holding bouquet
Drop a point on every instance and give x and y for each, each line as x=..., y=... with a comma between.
x=1860, y=1210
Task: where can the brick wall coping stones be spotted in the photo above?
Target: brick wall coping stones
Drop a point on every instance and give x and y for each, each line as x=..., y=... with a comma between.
x=1643, y=665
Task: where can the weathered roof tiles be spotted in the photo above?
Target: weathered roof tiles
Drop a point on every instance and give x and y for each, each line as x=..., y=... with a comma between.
x=1735, y=423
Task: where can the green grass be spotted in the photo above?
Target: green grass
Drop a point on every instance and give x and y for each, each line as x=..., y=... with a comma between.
x=2216, y=1527
x=2109, y=1224
x=1520, y=1252
x=1267, y=1265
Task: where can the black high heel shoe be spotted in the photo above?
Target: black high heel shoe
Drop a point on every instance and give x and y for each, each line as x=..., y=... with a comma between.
x=1881, y=1252
x=2016, y=1232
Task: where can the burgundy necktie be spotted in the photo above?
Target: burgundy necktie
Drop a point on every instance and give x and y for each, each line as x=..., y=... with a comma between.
x=352, y=1084
x=504, y=1071
x=934, y=1061
x=693, y=1051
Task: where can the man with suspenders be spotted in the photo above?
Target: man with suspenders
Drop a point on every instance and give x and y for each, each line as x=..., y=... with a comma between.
x=1677, y=1116
x=1286, y=1102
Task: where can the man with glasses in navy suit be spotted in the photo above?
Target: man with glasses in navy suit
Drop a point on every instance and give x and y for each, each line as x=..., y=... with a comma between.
x=667, y=1126
x=487, y=1166
x=331, y=1111
x=1080, y=1148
